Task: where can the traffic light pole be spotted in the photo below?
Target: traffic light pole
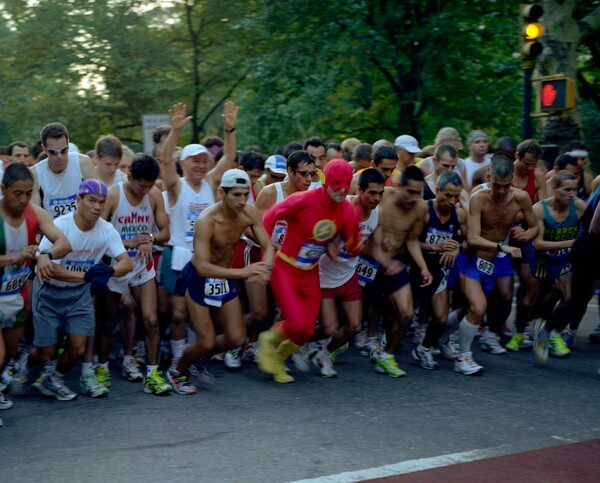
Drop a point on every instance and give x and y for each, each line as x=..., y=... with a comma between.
x=527, y=71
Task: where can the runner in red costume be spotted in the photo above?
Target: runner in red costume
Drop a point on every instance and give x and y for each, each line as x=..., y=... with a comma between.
x=314, y=218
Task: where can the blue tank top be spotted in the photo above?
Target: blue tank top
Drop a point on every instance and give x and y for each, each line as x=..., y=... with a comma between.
x=437, y=232
x=559, y=230
x=588, y=214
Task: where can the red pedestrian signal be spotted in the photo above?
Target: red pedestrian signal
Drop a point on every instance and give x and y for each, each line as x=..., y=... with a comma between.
x=557, y=93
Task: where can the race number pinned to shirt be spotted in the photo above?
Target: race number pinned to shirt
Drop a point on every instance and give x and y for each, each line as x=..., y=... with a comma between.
x=485, y=266
x=79, y=265
x=366, y=270
x=309, y=254
x=215, y=291
x=62, y=206
x=435, y=236
x=13, y=282
x=279, y=233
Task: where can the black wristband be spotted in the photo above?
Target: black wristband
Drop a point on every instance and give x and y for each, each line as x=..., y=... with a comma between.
x=228, y=131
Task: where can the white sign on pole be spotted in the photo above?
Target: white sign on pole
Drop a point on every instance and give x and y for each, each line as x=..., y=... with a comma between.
x=149, y=122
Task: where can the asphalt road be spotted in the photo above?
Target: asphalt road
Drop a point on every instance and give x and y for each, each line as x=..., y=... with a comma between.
x=247, y=428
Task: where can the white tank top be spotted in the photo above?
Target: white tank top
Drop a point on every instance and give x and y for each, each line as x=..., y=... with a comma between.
x=184, y=213
x=335, y=272
x=58, y=191
x=119, y=177
x=281, y=225
x=13, y=277
x=129, y=220
x=471, y=167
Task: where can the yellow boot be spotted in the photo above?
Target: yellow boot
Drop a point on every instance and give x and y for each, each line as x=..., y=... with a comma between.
x=268, y=342
x=285, y=350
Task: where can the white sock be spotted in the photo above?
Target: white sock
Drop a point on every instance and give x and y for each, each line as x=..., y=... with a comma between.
x=177, y=347
x=149, y=370
x=466, y=334
x=86, y=368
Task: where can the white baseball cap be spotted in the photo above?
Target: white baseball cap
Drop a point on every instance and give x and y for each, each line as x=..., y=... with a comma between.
x=277, y=164
x=193, y=150
x=235, y=178
x=408, y=143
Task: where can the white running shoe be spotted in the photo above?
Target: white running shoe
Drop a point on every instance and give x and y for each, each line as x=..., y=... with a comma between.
x=490, y=342
x=449, y=349
x=233, y=359
x=131, y=370
x=465, y=364
x=301, y=359
x=424, y=357
x=322, y=360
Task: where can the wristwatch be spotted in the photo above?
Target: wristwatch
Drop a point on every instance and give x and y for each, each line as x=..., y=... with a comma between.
x=47, y=252
x=499, y=246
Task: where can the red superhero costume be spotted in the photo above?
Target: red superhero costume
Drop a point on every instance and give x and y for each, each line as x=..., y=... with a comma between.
x=313, y=220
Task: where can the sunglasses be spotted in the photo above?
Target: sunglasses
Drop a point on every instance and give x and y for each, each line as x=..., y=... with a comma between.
x=57, y=151
x=307, y=174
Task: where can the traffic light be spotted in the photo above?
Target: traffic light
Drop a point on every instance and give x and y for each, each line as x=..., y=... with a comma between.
x=531, y=31
x=557, y=93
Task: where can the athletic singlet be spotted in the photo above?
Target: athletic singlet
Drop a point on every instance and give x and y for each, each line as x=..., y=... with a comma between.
x=129, y=220
x=184, y=213
x=582, y=193
x=559, y=231
x=428, y=193
x=588, y=214
x=280, y=225
x=529, y=188
x=59, y=191
x=13, y=240
x=437, y=232
x=313, y=221
x=335, y=272
x=470, y=167
x=119, y=177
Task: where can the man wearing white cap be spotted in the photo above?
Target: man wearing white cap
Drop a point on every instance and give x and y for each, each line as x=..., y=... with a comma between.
x=407, y=148
x=188, y=196
x=208, y=282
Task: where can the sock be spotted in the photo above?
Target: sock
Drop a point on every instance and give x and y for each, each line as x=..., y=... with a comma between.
x=555, y=333
x=104, y=364
x=149, y=370
x=86, y=368
x=177, y=347
x=466, y=334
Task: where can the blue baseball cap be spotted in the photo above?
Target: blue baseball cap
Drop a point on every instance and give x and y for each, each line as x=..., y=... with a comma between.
x=277, y=164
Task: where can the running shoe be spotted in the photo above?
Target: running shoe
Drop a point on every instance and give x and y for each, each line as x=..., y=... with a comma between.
x=371, y=345
x=18, y=385
x=55, y=387
x=250, y=353
x=4, y=402
x=424, y=357
x=139, y=352
x=180, y=382
x=340, y=350
x=557, y=346
x=540, y=340
x=360, y=340
x=449, y=349
x=322, y=360
x=131, y=370
x=46, y=371
x=10, y=369
x=506, y=330
x=103, y=375
x=156, y=384
x=89, y=386
x=202, y=372
x=514, y=344
x=464, y=364
x=490, y=342
x=301, y=358
x=569, y=338
x=388, y=365
x=233, y=359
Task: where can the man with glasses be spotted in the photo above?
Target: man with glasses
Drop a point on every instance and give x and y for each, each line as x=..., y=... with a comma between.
x=57, y=178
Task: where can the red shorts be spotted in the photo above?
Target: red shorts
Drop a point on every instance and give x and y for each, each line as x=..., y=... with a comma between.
x=348, y=292
x=244, y=254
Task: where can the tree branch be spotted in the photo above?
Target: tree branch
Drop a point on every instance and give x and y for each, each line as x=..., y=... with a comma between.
x=590, y=24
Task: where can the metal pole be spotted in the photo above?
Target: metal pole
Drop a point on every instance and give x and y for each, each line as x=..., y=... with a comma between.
x=527, y=71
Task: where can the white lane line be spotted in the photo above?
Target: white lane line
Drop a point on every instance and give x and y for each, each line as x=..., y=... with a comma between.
x=408, y=466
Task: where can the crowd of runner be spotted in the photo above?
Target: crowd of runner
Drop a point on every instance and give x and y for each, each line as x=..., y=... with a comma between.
x=183, y=256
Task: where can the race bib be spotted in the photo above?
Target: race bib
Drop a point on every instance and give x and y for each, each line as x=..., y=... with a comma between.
x=279, y=233
x=62, y=206
x=435, y=236
x=366, y=270
x=309, y=254
x=191, y=216
x=485, y=266
x=79, y=265
x=215, y=291
x=13, y=282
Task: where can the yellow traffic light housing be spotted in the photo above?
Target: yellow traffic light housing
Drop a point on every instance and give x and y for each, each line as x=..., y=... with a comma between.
x=531, y=31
